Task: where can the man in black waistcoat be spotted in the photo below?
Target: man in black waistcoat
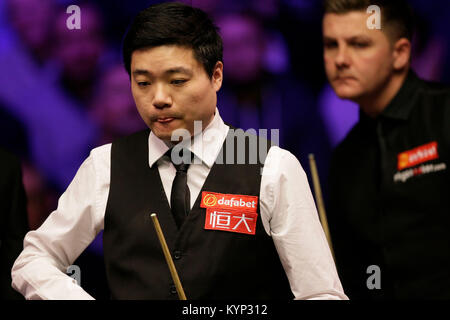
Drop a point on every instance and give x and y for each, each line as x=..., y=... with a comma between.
x=236, y=227
x=389, y=178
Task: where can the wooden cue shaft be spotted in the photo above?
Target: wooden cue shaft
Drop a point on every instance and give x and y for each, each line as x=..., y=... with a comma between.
x=320, y=202
x=165, y=248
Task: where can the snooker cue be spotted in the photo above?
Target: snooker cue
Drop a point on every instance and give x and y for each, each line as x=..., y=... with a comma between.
x=165, y=248
x=319, y=200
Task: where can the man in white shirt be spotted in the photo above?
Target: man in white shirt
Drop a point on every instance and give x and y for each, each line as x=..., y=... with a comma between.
x=245, y=230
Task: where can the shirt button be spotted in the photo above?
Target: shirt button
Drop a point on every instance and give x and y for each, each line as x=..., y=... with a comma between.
x=173, y=289
x=177, y=255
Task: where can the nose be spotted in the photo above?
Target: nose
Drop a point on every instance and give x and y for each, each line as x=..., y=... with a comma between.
x=162, y=97
x=342, y=58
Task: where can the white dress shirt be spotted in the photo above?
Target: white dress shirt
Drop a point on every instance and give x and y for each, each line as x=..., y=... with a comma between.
x=287, y=211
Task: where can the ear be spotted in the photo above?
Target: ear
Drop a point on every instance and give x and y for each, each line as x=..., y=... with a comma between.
x=402, y=53
x=217, y=76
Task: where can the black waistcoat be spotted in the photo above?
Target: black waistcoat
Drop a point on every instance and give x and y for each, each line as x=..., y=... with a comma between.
x=211, y=264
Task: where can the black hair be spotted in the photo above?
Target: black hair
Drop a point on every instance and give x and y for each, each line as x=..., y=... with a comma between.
x=173, y=23
x=396, y=15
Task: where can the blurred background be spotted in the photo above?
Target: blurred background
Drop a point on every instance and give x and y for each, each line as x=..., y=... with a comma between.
x=64, y=92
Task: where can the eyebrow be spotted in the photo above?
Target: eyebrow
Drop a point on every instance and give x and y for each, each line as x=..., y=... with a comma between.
x=352, y=38
x=360, y=37
x=170, y=71
x=325, y=38
x=138, y=72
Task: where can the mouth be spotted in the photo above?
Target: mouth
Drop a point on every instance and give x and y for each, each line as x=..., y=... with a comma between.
x=344, y=78
x=165, y=119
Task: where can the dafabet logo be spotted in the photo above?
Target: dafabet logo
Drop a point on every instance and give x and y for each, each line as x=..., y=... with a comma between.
x=210, y=200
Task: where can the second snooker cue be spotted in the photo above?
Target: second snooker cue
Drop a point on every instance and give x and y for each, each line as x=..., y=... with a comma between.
x=165, y=248
x=319, y=200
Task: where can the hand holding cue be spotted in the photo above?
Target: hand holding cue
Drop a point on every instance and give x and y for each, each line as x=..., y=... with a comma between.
x=165, y=248
x=319, y=200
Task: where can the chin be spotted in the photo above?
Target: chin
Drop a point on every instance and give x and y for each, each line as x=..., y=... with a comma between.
x=347, y=93
x=164, y=137
x=161, y=134
x=167, y=135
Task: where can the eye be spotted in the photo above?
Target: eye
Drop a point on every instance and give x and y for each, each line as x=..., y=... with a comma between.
x=178, y=81
x=330, y=44
x=360, y=44
x=143, y=83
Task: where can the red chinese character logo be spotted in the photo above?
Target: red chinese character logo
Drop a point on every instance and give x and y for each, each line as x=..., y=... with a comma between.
x=231, y=220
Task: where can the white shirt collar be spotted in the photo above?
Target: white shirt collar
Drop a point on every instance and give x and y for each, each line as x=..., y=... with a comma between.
x=205, y=146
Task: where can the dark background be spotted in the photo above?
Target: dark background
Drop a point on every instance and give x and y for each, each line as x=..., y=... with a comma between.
x=64, y=92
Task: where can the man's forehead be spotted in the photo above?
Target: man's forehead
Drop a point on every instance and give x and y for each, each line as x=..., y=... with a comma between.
x=163, y=59
x=351, y=24
x=165, y=51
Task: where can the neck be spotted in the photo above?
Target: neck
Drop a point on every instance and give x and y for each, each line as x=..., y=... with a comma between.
x=373, y=104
